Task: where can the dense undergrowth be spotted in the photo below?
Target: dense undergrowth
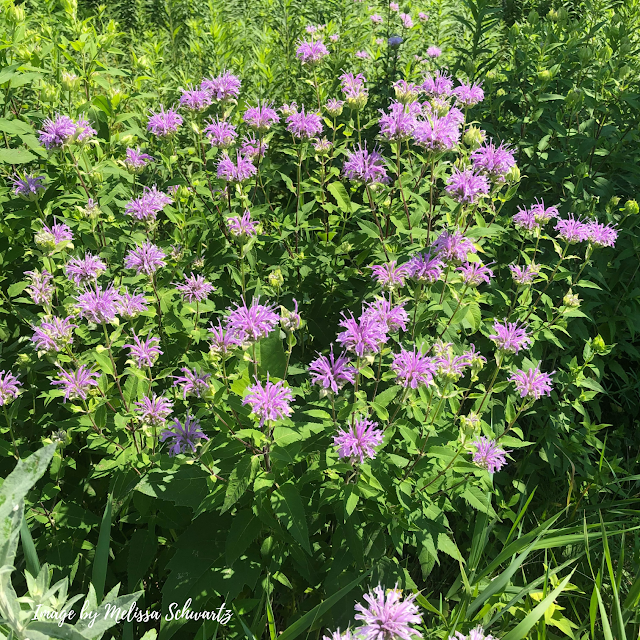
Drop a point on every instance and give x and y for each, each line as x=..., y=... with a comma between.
x=403, y=314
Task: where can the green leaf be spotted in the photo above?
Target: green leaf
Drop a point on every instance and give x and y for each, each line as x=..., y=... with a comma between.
x=187, y=486
x=339, y=192
x=101, y=559
x=479, y=500
x=271, y=355
x=448, y=546
x=244, y=530
x=241, y=477
x=16, y=156
x=105, y=617
x=29, y=549
x=142, y=550
x=287, y=505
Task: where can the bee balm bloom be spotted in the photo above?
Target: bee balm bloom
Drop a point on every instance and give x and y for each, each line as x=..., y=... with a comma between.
x=164, y=124
x=144, y=353
x=9, y=387
x=358, y=441
x=332, y=373
x=533, y=383
x=250, y=324
x=78, y=383
x=489, y=455
x=183, y=437
x=365, y=166
x=510, y=337
x=269, y=402
x=388, y=616
x=413, y=368
x=311, y=52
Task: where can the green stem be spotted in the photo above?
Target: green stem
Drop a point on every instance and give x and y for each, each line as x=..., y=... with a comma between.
x=13, y=439
x=113, y=364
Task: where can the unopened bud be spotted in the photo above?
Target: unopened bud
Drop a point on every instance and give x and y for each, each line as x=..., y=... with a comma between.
x=513, y=175
x=631, y=208
x=598, y=344
x=571, y=300
x=474, y=137
x=275, y=279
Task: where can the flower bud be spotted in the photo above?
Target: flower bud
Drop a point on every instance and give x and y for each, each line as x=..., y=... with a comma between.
x=563, y=14
x=322, y=146
x=70, y=81
x=585, y=54
x=49, y=93
x=275, y=279
x=571, y=300
x=598, y=344
x=290, y=320
x=474, y=137
x=582, y=170
x=501, y=92
x=552, y=15
x=468, y=426
x=14, y=14
x=513, y=175
x=631, y=208
x=198, y=263
x=544, y=75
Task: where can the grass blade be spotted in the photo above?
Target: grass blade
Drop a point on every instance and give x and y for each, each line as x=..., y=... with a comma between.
x=101, y=559
x=29, y=549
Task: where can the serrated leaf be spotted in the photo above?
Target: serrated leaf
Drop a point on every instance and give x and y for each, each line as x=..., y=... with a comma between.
x=288, y=508
x=16, y=156
x=241, y=477
x=244, y=530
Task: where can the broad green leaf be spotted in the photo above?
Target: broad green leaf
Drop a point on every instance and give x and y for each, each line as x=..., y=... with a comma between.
x=244, y=529
x=287, y=505
x=16, y=156
x=241, y=477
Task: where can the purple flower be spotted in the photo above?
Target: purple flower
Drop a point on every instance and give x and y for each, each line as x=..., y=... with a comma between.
x=184, y=438
x=525, y=219
x=136, y=161
x=493, y=161
x=331, y=372
x=164, y=123
x=250, y=324
x=452, y=366
x=148, y=205
x=475, y=634
x=243, y=227
x=289, y=109
x=475, y=273
x=195, y=99
x=98, y=306
x=50, y=237
x=223, y=87
x=398, y=124
x=145, y=259
x=358, y=441
x=354, y=90
x=388, y=616
x=130, y=305
x=365, y=166
x=453, y=246
x=437, y=134
x=195, y=288
x=363, y=55
x=84, y=270
x=337, y=635
x=489, y=455
x=466, y=186
x=40, y=289
x=406, y=92
x=9, y=386
x=220, y=134
x=311, y=52
x=394, y=6
x=413, y=368
x=29, y=187
x=602, y=235
x=304, y=125
x=53, y=334
x=290, y=320
x=510, y=337
x=57, y=132
x=572, y=230
x=524, y=275
x=222, y=340
x=468, y=95
x=422, y=16
x=376, y=18
x=261, y=117
x=532, y=383
x=84, y=130
x=439, y=85
x=239, y=172
x=193, y=383
x=390, y=276
x=78, y=383
x=362, y=336
x=434, y=52
x=144, y=353
x=252, y=147
x=154, y=411
x=543, y=215
x=393, y=318
x=269, y=403
x=406, y=20
x=423, y=267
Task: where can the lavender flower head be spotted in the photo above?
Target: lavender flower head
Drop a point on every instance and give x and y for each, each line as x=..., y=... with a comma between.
x=223, y=341
x=601, y=235
x=269, y=402
x=221, y=134
x=242, y=170
x=84, y=270
x=451, y=366
x=475, y=273
x=136, y=161
x=364, y=336
x=468, y=95
x=406, y=20
x=252, y=147
x=250, y=324
x=365, y=166
x=376, y=18
x=453, y=246
x=53, y=334
x=184, y=438
x=311, y=51
x=304, y=125
x=154, y=411
x=363, y=55
x=358, y=441
x=57, y=132
x=164, y=124
x=9, y=387
x=467, y=186
x=439, y=85
x=147, y=258
x=195, y=288
x=391, y=318
x=338, y=635
x=261, y=117
x=354, y=90
x=572, y=230
x=193, y=383
x=437, y=134
x=388, y=616
x=331, y=372
x=413, y=368
x=195, y=99
x=40, y=288
x=57, y=236
x=493, y=161
x=532, y=383
x=78, y=383
x=406, y=92
x=398, y=124
x=489, y=455
x=391, y=276
x=510, y=337
x=524, y=275
x=148, y=205
x=290, y=320
x=474, y=634
x=84, y=130
x=543, y=214
x=144, y=353
x=222, y=88
x=29, y=187
x=130, y=305
x=423, y=17
x=525, y=219
x=425, y=268
x=243, y=227
x=434, y=52
x=98, y=306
